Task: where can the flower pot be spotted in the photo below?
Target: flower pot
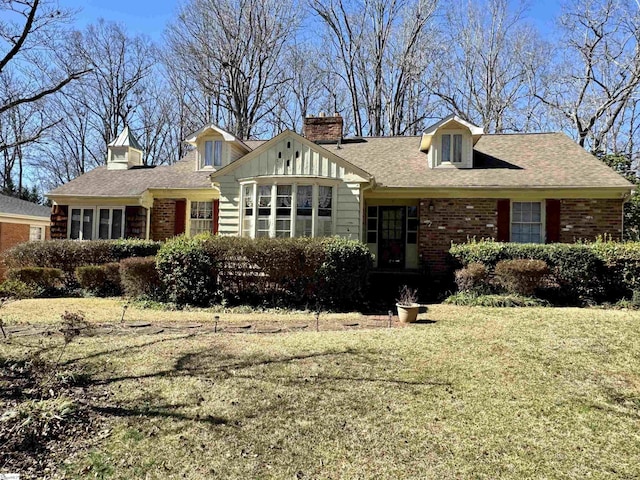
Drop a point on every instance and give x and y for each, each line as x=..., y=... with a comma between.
x=408, y=313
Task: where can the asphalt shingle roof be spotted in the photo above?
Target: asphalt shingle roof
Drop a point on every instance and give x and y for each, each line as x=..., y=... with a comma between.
x=12, y=205
x=505, y=160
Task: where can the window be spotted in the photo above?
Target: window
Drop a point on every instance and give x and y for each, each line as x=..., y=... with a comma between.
x=304, y=211
x=526, y=222
x=372, y=224
x=212, y=153
x=109, y=225
x=452, y=148
x=36, y=233
x=247, y=210
x=412, y=225
x=201, y=219
x=275, y=213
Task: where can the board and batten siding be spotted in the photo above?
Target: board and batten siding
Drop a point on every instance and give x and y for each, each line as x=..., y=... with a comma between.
x=292, y=158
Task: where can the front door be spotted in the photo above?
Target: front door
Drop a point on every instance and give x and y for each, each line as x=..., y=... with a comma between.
x=391, y=246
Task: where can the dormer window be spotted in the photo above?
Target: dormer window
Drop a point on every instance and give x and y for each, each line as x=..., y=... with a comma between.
x=212, y=153
x=452, y=148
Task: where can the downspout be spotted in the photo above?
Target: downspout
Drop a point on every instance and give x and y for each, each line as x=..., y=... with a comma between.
x=148, y=226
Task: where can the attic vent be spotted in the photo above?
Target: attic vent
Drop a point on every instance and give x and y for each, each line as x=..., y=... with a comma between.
x=279, y=154
x=288, y=144
x=297, y=154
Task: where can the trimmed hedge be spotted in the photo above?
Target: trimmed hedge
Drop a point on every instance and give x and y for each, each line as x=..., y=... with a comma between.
x=582, y=272
x=100, y=280
x=328, y=272
x=521, y=277
x=140, y=279
x=43, y=281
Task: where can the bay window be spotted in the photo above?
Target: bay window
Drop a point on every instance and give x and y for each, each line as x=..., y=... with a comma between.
x=526, y=222
x=287, y=210
x=105, y=223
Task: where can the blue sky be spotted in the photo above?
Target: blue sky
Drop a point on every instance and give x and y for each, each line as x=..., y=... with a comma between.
x=150, y=16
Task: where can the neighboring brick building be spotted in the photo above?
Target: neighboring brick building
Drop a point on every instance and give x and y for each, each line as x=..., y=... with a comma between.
x=408, y=198
x=21, y=221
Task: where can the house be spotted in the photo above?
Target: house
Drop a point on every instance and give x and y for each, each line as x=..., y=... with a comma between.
x=407, y=198
x=21, y=221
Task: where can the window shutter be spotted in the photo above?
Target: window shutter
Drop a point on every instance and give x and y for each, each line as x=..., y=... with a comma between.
x=553, y=220
x=181, y=217
x=504, y=220
x=216, y=216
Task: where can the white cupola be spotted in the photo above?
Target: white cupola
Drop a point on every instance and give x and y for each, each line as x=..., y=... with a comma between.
x=124, y=152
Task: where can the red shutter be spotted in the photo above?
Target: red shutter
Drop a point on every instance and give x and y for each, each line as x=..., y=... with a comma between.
x=216, y=216
x=181, y=217
x=504, y=220
x=553, y=220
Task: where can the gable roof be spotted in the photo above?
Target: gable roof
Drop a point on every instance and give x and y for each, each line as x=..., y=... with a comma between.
x=281, y=136
x=505, y=160
x=228, y=137
x=16, y=206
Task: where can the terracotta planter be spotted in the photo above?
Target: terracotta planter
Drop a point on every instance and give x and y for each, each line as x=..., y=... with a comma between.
x=408, y=313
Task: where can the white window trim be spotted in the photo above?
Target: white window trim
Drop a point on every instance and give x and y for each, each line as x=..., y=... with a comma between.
x=187, y=217
x=96, y=219
x=543, y=217
x=201, y=154
x=42, y=231
x=294, y=182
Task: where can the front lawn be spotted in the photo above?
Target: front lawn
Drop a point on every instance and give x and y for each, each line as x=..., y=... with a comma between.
x=477, y=393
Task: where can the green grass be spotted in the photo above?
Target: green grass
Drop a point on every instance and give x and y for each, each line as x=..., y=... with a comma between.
x=480, y=393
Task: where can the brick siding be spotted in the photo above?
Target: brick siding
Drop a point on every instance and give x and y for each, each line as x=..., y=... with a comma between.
x=163, y=219
x=135, y=225
x=443, y=221
x=59, y=222
x=585, y=219
x=12, y=234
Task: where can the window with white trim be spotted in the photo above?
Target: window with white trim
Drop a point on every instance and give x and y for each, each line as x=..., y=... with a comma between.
x=526, y=222
x=36, y=233
x=212, y=153
x=276, y=216
x=201, y=218
x=452, y=148
x=105, y=223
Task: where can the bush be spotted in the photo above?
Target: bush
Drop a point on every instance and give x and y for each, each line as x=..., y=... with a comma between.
x=100, y=280
x=44, y=281
x=140, y=279
x=18, y=290
x=67, y=255
x=521, y=277
x=472, y=300
x=293, y=271
x=472, y=278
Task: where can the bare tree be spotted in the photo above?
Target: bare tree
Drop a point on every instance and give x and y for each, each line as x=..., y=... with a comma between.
x=234, y=50
x=596, y=75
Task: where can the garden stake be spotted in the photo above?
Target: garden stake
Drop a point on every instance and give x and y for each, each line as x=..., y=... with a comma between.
x=390, y=317
x=317, y=321
x=215, y=324
x=124, y=309
x=2, y=328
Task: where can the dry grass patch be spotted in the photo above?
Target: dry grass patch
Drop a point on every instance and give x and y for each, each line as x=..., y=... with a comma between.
x=480, y=393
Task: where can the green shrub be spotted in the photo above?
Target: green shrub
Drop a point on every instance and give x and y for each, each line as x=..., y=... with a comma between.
x=293, y=271
x=100, y=280
x=18, y=290
x=44, y=281
x=521, y=276
x=473, y=278
x=140, y=279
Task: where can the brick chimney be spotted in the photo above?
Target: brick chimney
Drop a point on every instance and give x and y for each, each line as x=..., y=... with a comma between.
x=323, y=129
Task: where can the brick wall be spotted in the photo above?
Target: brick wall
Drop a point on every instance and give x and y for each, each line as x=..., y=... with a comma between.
x=59, y=222
x=323, y=129
x=443, y=221
x=163, y=219
x=585, y=219
x=12, y=234
x=135, y=225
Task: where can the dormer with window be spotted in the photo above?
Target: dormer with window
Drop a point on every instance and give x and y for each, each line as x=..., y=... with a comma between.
x=215, y=148
x=449, y=143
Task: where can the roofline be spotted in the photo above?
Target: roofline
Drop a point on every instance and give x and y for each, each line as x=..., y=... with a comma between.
x=20, y=216
x=229, y=137
x=502, y=191
x=267, y=144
